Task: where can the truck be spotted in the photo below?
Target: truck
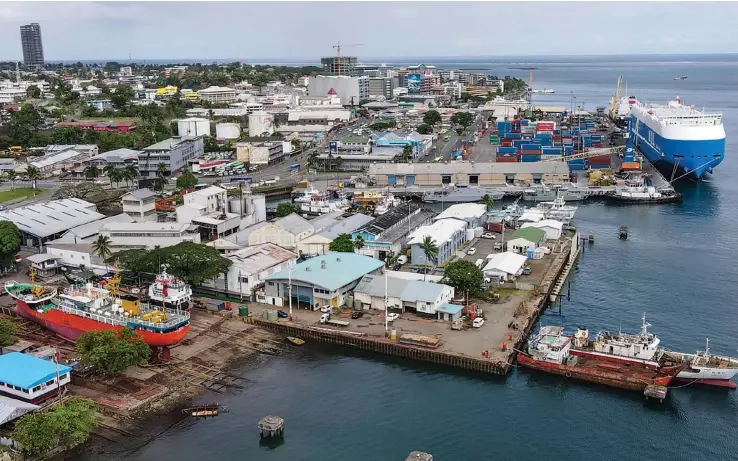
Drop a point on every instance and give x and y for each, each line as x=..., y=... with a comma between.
x=338, y=323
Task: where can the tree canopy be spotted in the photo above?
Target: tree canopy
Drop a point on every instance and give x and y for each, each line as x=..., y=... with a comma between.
x=343, y=243
x=186, y=180
x=64, y=425
x=6, y=332
x=462, y=118
x=286, y=208
x=33, y=92
x=24, y=124
x=424, y=128
x=10, y=242
x=464, y=276
x=192, y=262
x=431, y=117
x=111, y=353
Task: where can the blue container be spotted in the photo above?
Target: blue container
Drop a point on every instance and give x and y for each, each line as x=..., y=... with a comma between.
x=599, y=167
x=524, y=122
x=576, y=167
x=515, y=136
x=596, y=137
x=507, y=150
x=551, y=151
x=506, y=154
x=576, y=161
x=530, y=158
x=556, y=144
x=530, y=147
x=568, y=149
x=519, y=142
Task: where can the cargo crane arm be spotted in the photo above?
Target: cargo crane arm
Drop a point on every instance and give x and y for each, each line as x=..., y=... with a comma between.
x=590, y=153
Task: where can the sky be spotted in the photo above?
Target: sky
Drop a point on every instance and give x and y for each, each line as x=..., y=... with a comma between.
x=304, y=31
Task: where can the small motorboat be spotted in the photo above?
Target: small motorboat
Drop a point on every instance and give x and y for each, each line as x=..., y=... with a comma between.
x=204, y=410
x=295, y=341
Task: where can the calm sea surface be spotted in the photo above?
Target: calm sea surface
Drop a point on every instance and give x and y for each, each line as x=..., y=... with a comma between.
x=678, y=266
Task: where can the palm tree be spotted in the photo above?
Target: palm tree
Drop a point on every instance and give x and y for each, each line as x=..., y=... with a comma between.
x=160, y=180
x=34, y=174
x=430, y=249
x=11, y=174
x=91, y=172
x=101, y=246
x=108, y=170
x=116, y=176
x=131, y=172
x=407, y=153
x=312, y=159
x=487, y=200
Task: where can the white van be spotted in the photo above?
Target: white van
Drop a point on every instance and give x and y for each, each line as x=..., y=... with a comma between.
x=479, y=263
x=402, y=259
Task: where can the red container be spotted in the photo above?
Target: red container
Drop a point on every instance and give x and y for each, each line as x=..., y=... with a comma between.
x=599, y=159
x=545, y=126
x=530, y=152
x=511, y=159
x=506, y=143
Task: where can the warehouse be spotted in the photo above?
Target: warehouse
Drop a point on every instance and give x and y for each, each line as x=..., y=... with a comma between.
x=483, y=174
x=42, y=222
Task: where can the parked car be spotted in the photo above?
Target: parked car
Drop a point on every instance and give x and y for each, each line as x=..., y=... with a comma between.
x=392, y=316
x=326, y=309
x=498, y=246
x=471, y=251
x=488, y=235
x=478, y=322
x=324, y=318
x=396, y=267
x=527, y=270
x=357, y=314
x=282, y=314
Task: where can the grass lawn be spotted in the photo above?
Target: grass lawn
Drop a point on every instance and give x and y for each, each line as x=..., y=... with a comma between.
x=19, y=192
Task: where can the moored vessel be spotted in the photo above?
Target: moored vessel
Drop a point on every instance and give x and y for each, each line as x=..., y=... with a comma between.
x=460, y=193
x=169, y=291
x=706, y=368
x=550, y=351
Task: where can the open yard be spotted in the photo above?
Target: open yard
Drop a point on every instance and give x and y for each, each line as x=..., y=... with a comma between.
x=19, y=193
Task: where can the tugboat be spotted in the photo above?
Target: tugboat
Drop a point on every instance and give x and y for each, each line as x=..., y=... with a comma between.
x=169, y=291
x=550, y=351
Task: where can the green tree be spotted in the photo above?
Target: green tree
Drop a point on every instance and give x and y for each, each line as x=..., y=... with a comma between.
x=34, y=174
x=67, y=135
x=465, y=277
x=12, y=175
x=64, y=425
x=91, y=172
x=10, y=242
x=430, y=250
x=33, y=92
x=90, y=191
x=431, y=117
x=160, y=180
x=186, y=180
x=459, y=131
x=343, y=243
x=101, y=246
x=6, y=333
x=286, y=208
x=488, y=201
x=462, y=118
x=122, y=96
x=23, y=125
x=195, y=263
x=131, y=173
x=359, y=243
x=407, y=153
x=111, y=353
x=425, y=129
x=312, y=159
x=111, y=171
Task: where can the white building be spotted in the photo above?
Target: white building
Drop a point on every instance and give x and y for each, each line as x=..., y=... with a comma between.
x=173, y=153
x=286, y=232
x=88, y=232
x=217, y=95
x=251, y=266
x=504, y=266
x=473, y=214
x=303, y=81
x=449, y=235
x=56, y=162
x=31, y=379
x=551, y=227
x=76, y=255
x=524, y=238
x=207, y=209
x=140, y=204
x=125, y=236
x=261, y=124
x=351, y=90
x=260, y=151
x=402, y=294
x=193, y=126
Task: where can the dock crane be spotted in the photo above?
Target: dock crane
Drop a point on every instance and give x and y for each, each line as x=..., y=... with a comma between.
x=338, y=47
x=615, y=101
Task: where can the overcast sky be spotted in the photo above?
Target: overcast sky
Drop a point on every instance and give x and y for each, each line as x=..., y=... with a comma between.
x=305, y=31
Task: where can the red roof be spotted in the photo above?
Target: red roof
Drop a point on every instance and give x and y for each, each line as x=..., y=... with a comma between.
x=11, y=107
x=332, y=91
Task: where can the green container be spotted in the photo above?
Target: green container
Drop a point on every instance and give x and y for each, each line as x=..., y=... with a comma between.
x=243, y=311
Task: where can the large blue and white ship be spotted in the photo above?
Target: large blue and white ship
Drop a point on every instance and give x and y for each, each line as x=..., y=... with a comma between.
x=677, y=138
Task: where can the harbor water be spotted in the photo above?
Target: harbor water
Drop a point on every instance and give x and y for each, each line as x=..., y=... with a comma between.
x=678, y=265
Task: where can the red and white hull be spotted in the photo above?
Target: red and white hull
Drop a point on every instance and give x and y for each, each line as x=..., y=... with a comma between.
x=70, y=327
x=650, y=364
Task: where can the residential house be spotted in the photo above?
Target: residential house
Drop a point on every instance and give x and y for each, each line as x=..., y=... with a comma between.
x=140, y=205
x=402, y=294
x=44, y=265
x=251, y=266
x=525, y=238
x=322, y=280
x=449, y=235
x=473, y=214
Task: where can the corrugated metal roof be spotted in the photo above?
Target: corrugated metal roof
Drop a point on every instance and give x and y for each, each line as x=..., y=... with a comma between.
x=257, y=258
x=463, y=211
x=56, y=216
x=27, y=371
x=440, y=231
x=340, y=270
x=11, y=409
x=58, y=158
x=294, y=223
x=405, y=290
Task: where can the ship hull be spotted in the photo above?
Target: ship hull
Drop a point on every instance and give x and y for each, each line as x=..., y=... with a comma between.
x=726, y=383
x=650, y=364
x=693, y=157
x=593, y=371
x=71, y=327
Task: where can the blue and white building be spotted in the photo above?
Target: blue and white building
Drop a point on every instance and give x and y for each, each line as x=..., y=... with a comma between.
x=449, y=235
x=31, y=379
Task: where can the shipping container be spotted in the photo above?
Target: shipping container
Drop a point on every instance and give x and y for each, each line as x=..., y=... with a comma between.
x=507, y=150
x=513, y=135
x=513, y=159
x=576, y=167
x=524, y=122
x=599, y=167
x=551, y=151
x=630, y=166
x=530, y=158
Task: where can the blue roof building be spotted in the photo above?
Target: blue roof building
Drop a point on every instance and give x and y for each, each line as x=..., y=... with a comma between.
x=30, y=378
x=320, y=280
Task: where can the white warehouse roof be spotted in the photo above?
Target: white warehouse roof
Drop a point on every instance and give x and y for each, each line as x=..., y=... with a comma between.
x=441, y=231
x=56, y=216
x=463, y=211
x=54, y=159
x=507, y=262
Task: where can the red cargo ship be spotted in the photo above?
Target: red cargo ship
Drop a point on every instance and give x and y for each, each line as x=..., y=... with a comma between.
x=89, y=308
x=549, y=351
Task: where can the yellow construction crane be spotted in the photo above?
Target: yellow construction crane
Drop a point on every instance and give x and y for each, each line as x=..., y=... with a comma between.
x=615, y=101
x=338, y=47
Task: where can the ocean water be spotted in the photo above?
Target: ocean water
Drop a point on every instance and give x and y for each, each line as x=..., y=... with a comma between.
x=678, y=266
